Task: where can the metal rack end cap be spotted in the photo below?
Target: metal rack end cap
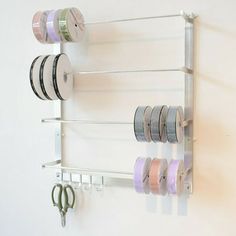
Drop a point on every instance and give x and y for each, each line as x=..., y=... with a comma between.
x=188, y=17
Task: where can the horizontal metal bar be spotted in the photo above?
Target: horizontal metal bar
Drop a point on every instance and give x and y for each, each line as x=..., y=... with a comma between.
x=182, y=69
x=95, y=172
x=94, y=122
x=58, y=120
x=181, y=14
x=86, y=171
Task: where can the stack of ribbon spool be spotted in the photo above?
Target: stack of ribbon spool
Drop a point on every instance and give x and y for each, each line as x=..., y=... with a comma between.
x=157, y=177
x=51, y=77
x=55, y=26
x=160, y=124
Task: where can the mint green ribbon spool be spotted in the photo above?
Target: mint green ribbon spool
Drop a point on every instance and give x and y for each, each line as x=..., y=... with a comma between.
x=71, y=24
x=63, y=27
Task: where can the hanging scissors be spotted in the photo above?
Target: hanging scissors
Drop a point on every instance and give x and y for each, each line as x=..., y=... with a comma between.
x=62, y=202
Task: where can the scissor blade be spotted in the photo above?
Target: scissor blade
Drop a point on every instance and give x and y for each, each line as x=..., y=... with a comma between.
x=63, y=219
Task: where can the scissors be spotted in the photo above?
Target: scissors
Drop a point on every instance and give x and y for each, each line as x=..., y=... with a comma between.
x=62, y=202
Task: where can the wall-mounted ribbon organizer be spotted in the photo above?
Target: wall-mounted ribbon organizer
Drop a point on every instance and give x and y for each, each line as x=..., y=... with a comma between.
x=174, y=124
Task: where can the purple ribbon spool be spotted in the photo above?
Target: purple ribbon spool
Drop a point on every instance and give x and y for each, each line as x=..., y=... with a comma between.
x=174, y=177
x=141, y=170
x=51, y=24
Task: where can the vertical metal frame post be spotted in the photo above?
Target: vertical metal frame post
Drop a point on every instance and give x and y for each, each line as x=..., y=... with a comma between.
x=189, y=103
x=58, y=112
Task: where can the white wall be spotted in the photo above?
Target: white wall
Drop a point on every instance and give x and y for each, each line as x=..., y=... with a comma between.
x=26, y=143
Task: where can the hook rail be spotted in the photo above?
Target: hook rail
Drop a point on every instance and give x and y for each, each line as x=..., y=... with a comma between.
x=91, y=172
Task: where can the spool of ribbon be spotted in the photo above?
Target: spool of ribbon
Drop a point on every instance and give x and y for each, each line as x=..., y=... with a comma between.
x=142, y=119
x=43, y=80
x=174, y=124
x=158, y=119
x=158, y=176
x=32, y=76
x=141, y=175
x=61, y=25
x=71, y=24
x=162, y=123
x=175, y=177
x=62, y=76
x=47, y=76
x=51, y=77
x=53, y=25
x=39, y=26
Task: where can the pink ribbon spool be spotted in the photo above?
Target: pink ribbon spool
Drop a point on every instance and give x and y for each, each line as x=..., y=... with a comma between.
x=39, y=26
x=157, y=176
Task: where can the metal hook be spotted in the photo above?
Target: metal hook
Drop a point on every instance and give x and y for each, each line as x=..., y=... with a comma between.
x=80, y=181
x=99, y=187
x=90, y=181
x=61, y=177
x=88, y=186
x=70, y=180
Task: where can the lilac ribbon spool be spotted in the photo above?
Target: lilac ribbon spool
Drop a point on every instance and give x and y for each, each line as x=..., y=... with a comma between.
x=175, y=177
x=141, y=178
x=52, y=26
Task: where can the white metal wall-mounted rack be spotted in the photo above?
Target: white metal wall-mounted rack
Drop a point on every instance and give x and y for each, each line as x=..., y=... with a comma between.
x=188, y=72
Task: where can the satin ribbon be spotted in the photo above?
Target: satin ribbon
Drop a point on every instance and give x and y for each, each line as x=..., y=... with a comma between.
x=71, y=24
x=62, y=76
x=63, y=25
x=35, y=76
x=51, y=77
x=142, y=119
x=158, y=176
x=141, y=172
x=175, y=177
x=52, y=26
x=154, y=177
x=48, y=78
x=162, y=123
x=158, y=119
x=155, y=124
x=42, y=78
x=174, y=121
x=31, y=78
x=39, y=26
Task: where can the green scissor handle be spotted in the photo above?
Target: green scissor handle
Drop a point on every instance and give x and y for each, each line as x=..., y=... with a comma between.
x=57, y=203
x=63, y=190
x=67, y=204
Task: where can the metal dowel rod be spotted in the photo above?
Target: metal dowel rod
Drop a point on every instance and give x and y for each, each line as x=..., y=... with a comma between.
x=91, y=122
x=96, y=172
x=182, y=69
x=137, y=18
x=56, y=120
